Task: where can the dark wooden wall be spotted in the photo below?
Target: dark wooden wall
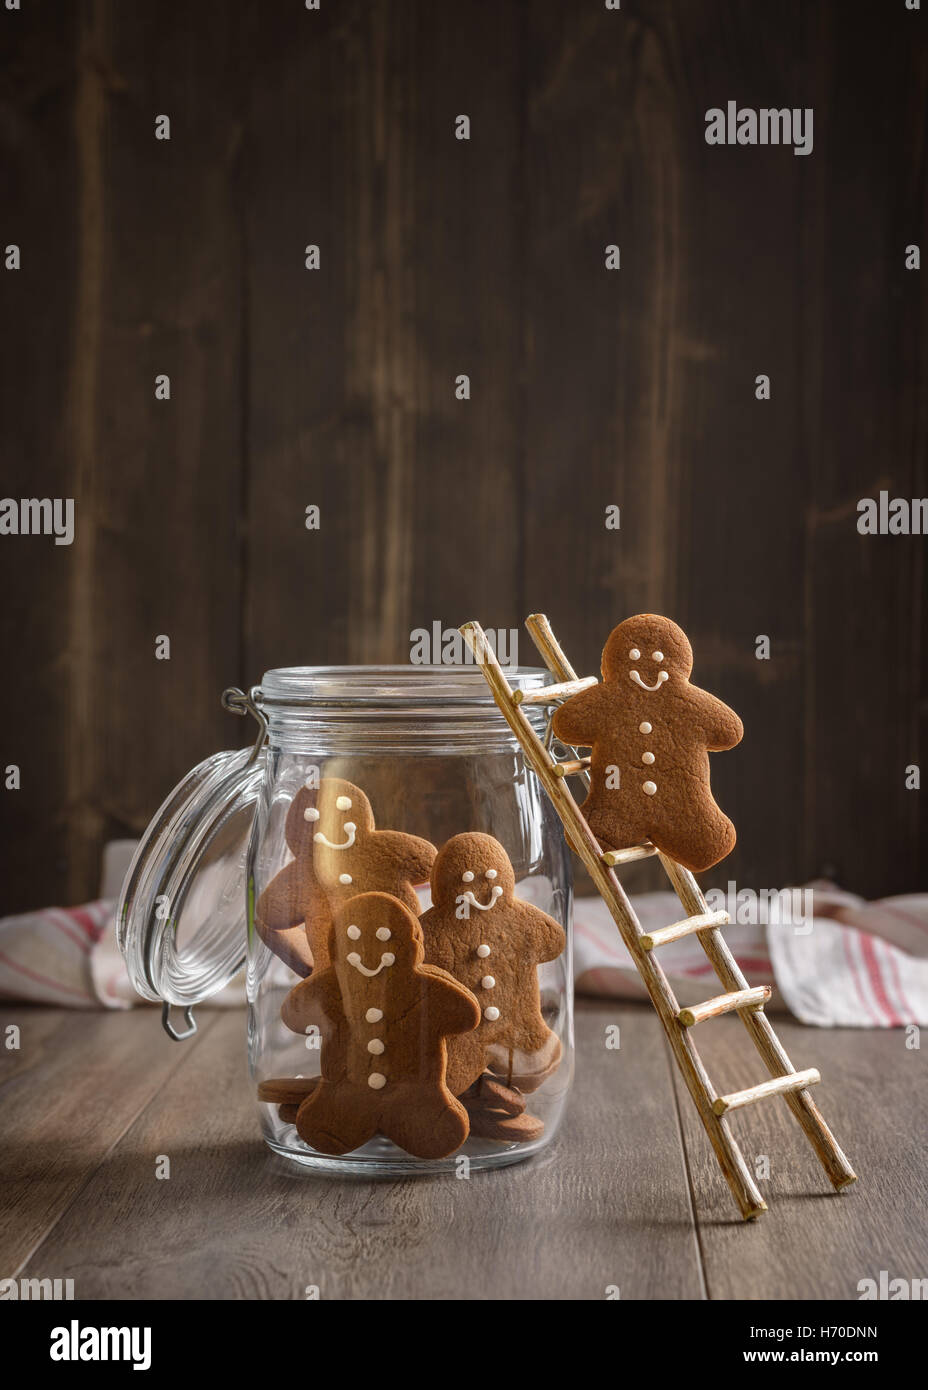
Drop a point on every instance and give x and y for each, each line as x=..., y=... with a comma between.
x=440, y=257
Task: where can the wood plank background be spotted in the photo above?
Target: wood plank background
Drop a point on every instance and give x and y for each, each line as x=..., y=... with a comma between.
x=336, y=387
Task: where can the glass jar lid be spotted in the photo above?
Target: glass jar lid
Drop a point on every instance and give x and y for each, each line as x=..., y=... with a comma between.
x=179, y=922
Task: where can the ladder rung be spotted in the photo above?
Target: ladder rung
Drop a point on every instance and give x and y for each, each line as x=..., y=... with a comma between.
x=571, y=766
x=702, y=921
x=550, y=694
x=725, y=1004
x=611, y=857
x=794, y=1081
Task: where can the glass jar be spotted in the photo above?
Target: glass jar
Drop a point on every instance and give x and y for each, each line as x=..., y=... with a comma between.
x=398, y=887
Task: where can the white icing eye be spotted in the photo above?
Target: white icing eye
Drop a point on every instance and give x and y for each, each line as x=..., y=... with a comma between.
x=354, y=933
x=343, y=803
x=657, y=656
x=491, y=873
x=634, y=654
x=383, y=933
x=310, y=813
x=467, y=876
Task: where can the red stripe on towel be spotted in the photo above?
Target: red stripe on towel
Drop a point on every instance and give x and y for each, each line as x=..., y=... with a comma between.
x=876, y=980
x=44, y=979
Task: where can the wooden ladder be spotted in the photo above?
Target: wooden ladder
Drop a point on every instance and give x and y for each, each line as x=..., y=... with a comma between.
x=738, y=996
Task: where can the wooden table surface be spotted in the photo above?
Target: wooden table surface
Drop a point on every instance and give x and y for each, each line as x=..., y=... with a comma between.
x=628, y=1195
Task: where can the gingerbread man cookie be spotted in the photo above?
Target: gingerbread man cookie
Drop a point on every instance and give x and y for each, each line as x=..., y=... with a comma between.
x=493, y=943
x=651, y=733
x=384, y=1017
x=337, y=854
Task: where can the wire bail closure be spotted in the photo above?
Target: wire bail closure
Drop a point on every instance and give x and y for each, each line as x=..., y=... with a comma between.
x=169, y=1028
x=237, y=702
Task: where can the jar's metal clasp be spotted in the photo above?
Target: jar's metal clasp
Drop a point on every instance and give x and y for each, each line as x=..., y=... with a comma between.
x=237, y=702
x=169, y=1028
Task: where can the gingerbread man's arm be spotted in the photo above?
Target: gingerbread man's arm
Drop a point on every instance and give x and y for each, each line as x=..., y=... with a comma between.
x=580, y=719
x=279, y=920
x=281, y=904
x=720, y=726
x=412, y=856
x=313, y=1001
x=547, y=936
x=448, y=1002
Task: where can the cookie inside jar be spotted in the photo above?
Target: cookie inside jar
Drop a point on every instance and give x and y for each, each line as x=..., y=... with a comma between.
x=409, y=960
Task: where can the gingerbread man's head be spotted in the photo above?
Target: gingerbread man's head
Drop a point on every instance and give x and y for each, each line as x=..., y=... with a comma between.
x=648, y=651
x=474, y=867
x=374, y=935
x=335, y=815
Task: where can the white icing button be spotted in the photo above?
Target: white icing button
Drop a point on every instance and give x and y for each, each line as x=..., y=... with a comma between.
x=383, y=933
x=483, y=951
x=649, y=788
x=310, y=813
x=488, y=982
x=492, y=1014
x=343, y=803
x=376, y=1046
x=491, y=873
x=647, y=758
x=467, y=876
x=354, y=933
x=374, y=1015
x=376, y=1080
x=344, y=878
x=644, y=728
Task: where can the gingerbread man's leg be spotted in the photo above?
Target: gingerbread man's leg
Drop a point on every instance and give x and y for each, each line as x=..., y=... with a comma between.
x=425, y=1121
x=467, y=1059
x=335, y=1120
x=699, y=842
x=613, y=823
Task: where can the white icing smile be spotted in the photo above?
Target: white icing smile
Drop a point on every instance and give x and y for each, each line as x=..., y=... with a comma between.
x=349, y=826
x=354, y=959
x=633, y=675
x=484, y=907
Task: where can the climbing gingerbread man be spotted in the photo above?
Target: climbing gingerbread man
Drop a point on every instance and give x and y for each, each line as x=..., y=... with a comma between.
x=492, y=942
x=337, y=854
x=384, y=1018
x=651, y=733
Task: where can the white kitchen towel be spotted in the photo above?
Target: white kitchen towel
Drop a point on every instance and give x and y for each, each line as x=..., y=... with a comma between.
x=838, y=961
